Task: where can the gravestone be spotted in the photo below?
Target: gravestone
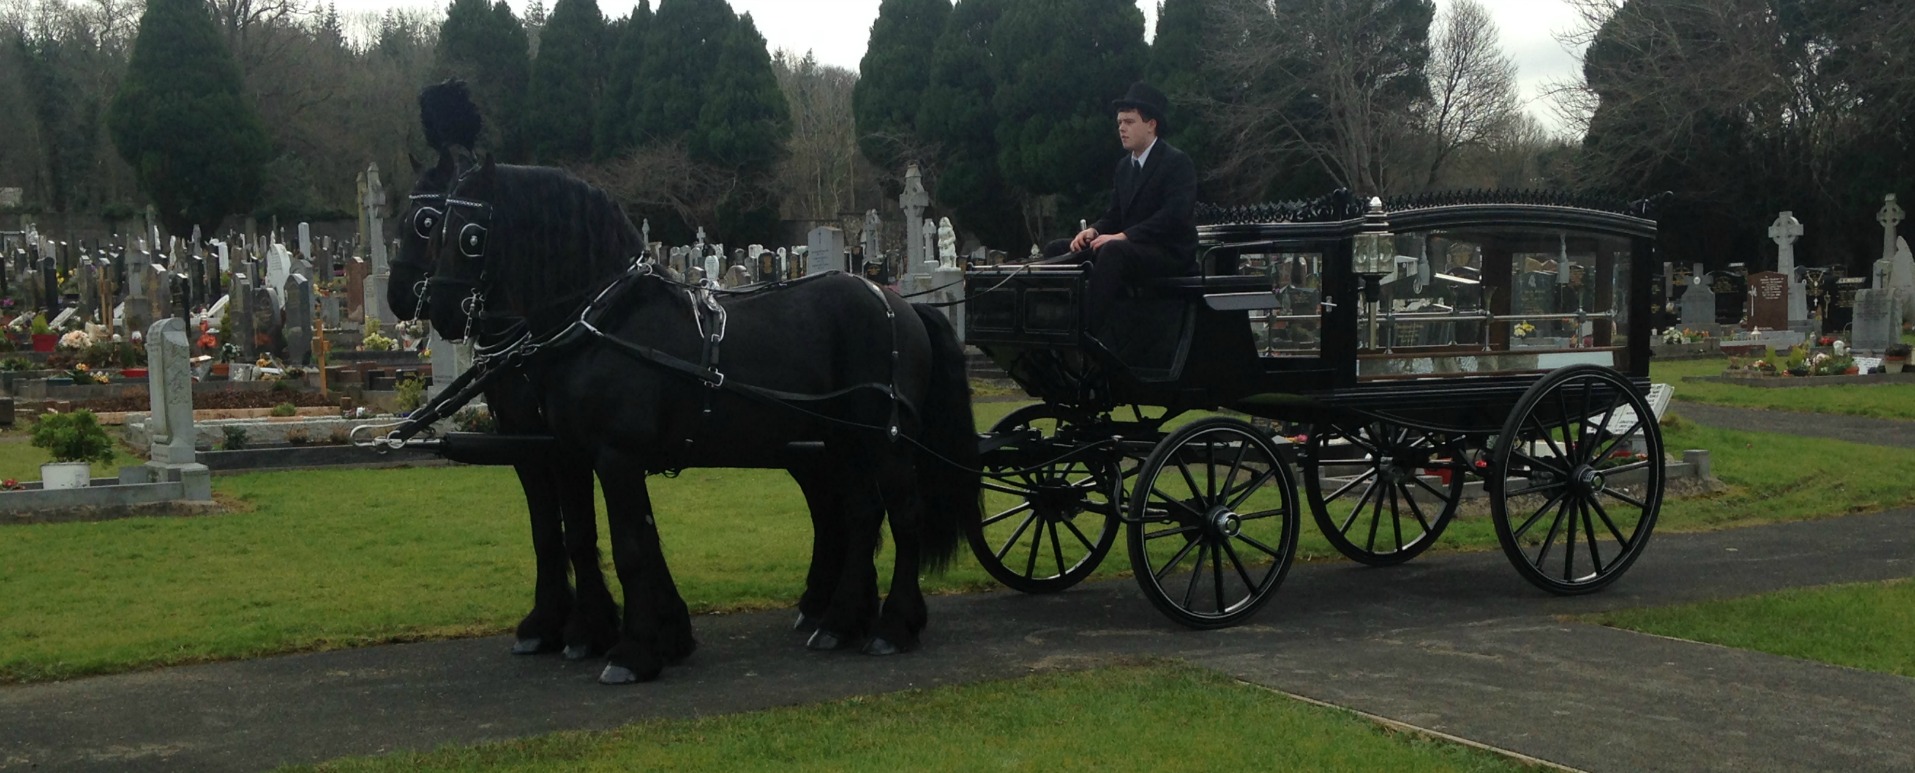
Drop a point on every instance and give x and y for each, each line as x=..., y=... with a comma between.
x=714, y=269
x=268, y=338
x=1698, y=306
x=1769, y=300
x=50, y=285
x=169, y=429
x=1877, y=321
x=299, y=320
x=279, y=266
x=169, y=377
x=1785, y=232
x=1731, y=287
x=356, y=271
x=1839, y=307
x=88, y=280
x=240, y=301
x=872, y=240
x=306, y=241
x=159, y=296
x=824, y=250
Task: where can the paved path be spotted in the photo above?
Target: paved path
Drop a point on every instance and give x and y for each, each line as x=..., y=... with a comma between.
x=1854, y=429
x=1454, y=643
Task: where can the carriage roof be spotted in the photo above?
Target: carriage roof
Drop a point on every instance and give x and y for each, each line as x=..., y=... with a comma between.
x=1341, y=215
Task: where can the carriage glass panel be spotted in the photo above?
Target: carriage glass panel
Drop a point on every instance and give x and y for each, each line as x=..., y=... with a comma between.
x=1497, y=299
x=1293, y=326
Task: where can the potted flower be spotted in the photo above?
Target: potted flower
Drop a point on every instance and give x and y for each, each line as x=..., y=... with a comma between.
x=44, y=339
x=74, y=440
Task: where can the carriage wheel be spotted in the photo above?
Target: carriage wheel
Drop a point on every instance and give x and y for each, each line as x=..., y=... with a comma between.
x=1576, y=479
x=1213, y=523
x=1051, y=526
x=1376, y=505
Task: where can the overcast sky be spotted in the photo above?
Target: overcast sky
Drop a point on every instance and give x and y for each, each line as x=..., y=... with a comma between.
x=836, y=30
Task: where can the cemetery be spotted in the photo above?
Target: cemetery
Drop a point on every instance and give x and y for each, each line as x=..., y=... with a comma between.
x=564, y=384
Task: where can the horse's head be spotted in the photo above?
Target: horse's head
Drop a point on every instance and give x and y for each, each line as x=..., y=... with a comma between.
x=425, y=214
x=462, y=270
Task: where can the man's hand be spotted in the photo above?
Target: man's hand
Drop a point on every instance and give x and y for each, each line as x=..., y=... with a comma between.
x=1082, y=240
x=1108, y=238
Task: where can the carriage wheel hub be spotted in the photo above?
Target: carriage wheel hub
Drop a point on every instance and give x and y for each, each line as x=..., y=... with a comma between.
x=1589, y=479
x=1225, y=524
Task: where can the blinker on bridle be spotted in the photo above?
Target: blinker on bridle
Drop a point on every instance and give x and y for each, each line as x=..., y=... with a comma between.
x=471, y=245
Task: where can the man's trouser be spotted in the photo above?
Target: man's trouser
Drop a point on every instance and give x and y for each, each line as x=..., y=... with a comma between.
x=1119, y=264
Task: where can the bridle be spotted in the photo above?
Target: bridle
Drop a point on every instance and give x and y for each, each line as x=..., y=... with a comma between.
x=472, y=241
x=427, y=220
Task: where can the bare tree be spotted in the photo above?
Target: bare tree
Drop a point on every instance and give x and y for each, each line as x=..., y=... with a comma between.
x=664, y=176
x=1473, y=99
x=1327, y=81
x=821, y=173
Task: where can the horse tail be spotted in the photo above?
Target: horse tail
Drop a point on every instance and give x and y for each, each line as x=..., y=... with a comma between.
x=948, y=479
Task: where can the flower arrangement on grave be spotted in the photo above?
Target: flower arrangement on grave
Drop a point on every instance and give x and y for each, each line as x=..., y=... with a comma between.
x=1822, y=364
x=73, y=437
x=1522, y=329
x=16, y=364
x=228, y=352
x=12, y=484
x=374, y=342
x=40, y=326
x=84, y=375
x=1797, y=362
x=75, y=340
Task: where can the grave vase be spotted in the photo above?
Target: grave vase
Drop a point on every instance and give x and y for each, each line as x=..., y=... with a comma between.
x=44, y=342
x=65, y=475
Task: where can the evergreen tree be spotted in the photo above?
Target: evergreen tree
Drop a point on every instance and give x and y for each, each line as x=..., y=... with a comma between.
x=616, y=131
x=486, y=46
x=893, y=78
x=682, y=48
x=1062, y=63
x=743, y=127
x=182, y=121
x=563, y=97
x=956, y=113
x=1178, y=66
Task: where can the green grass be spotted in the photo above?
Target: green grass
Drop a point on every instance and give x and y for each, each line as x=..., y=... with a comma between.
x=1159, y=718
x=1888, y=401
x=1869, y=626
x=339, y=558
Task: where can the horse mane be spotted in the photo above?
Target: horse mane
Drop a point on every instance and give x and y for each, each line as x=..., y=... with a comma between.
x=554, y=235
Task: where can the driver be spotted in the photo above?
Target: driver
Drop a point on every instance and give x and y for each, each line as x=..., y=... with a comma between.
x=1150, y=229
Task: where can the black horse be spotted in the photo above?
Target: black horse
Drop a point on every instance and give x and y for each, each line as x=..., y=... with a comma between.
x=879, y=382
x=559, y=492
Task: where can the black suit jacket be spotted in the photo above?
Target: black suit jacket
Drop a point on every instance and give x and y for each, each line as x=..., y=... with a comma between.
x=1157, y=206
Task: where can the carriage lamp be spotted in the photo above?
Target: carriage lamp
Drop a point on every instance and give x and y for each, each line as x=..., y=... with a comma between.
x=1375, y=245
x=1373, y=257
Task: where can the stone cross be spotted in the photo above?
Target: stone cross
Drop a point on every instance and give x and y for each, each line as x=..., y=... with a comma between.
x=914, y=200
x=1786, y=231
x=1890, y=216
x=170, y=389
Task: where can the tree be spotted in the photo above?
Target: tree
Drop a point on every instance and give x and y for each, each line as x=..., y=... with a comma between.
x=563, y=96
x=1472, y=87
x=957, y=115
x=616, y=128
x=1333, y=84
x=821, y=172
x=886, y=98
x=1180, y=67
x=486, y=46
x=181, y=121
x=742, y=127
x=685, y=41
x=1062, y=63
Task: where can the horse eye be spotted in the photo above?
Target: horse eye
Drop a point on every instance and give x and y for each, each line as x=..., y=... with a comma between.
x=425, y=221
x=472, y=240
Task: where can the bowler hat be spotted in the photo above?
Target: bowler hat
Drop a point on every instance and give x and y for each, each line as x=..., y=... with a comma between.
x=1147, y=101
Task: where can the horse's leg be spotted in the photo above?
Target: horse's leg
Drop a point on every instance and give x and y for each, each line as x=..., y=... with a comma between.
x=904, y=613
x=650, y=595
x=542, y=630
x=815, y=479
x=593, y=626
x=854, y=600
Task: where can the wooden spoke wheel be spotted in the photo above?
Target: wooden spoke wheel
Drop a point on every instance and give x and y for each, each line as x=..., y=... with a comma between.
x=1213, y=523
x=1051, y=506
x=1382, y=493
x=1576, y=479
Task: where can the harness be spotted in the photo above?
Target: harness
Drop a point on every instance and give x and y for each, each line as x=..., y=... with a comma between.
x=519, y=349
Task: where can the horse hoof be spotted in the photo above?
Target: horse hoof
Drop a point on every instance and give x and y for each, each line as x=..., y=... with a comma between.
x=617, y=674
x=578, y=652
x=879, y=646
x=824, y=641
x=528, y=646
x=805, y=623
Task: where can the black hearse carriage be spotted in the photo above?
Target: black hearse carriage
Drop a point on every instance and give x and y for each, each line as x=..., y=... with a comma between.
x=1409, y=349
